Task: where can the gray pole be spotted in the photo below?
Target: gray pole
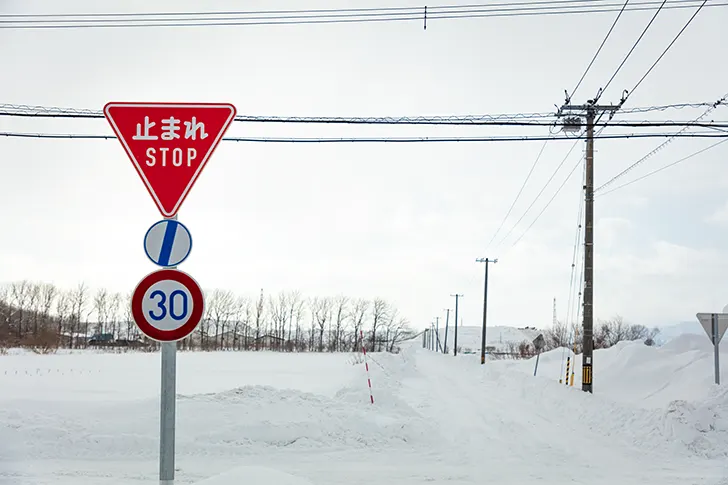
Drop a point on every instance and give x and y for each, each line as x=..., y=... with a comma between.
x=455, y=347
x=437, y=335
x=447, y=322
x=485, y=306
x=167, y=410
x=535, y=369
x=588, y=345
x=716, y=348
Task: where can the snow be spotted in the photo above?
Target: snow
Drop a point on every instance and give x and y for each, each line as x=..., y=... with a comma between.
x=669, y=332
x=86, y=418
x=470, y=338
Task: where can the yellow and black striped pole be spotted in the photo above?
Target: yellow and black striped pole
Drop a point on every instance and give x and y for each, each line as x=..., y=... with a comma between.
x=568, y=363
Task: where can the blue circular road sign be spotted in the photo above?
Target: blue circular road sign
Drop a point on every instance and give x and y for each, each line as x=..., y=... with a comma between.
x=167, y=243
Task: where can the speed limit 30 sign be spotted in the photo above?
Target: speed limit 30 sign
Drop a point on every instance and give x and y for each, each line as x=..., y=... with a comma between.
x=167, y=305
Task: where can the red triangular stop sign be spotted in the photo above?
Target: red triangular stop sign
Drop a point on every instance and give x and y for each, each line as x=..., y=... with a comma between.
x=169, y=143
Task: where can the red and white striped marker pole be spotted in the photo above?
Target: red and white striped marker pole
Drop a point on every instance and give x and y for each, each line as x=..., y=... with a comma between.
x=366, y=365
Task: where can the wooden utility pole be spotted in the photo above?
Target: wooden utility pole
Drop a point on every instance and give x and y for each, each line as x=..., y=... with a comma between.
x=485, y=305
x=588, y=111
x=455, y=347
x=447, y=323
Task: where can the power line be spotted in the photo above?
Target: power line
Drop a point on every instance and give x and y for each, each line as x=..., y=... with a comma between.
x=467, y=120
x=415, y=9
x=644, y=31
x=574, y=256
x=629, y=93
x=662, y=145
x=505, y=138
x=533, y=202
x=569, y=96
x=518, y=195
x=416, y=14
x=649, y=174
x=548, y=203
x=31, y=111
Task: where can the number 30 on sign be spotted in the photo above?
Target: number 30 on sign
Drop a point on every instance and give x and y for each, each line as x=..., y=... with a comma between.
x=167, y=305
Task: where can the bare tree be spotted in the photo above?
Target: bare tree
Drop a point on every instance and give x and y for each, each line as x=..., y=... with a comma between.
x=557, y=336
x=299, y=310
x=259, y=318
x=34, y=305
x=101, y=307
x=222, y=307
x=278, y=309
x=78, y=299
x=293, y=299
x=313, y=309
x=341, y=308
x=131, y=331
x=20, y=297
x=48, y=294
x=380, y=311
x=322, y=315
x=357, y=314
x=5, y=312
x=397, y=330
x=609, y=332
x=114, y=308
x=241, y=321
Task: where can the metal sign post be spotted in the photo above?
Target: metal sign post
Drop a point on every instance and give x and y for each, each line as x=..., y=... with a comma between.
x=168, y=397
x=169, y=145
x=168, y=413
x=538, y=344
x=716, y=347
x=715, y=325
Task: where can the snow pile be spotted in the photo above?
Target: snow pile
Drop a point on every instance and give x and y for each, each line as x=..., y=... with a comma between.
x=666, y=392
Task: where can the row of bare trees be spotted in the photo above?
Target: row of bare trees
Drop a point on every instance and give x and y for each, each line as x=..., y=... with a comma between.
x=607, y=333
x=39, y=314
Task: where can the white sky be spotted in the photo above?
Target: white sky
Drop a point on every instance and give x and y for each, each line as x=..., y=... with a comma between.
x=404, y=222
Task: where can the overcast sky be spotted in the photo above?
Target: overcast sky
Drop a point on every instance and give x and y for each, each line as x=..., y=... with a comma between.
x=401, y=221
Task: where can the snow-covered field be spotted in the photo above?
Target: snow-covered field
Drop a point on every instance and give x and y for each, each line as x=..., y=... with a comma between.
x=284, y=419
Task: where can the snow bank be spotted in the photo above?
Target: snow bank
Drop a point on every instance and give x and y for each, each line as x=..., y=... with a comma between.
x=666, y=392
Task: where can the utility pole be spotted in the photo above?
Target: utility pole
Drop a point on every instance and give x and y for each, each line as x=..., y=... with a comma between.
x=437, y=335
x=447, y=322
x=485, y=305
x=554, y=320
x=572, y=124
x=455, y=347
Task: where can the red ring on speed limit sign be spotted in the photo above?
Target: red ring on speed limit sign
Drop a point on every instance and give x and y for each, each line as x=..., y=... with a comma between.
x=167, y=305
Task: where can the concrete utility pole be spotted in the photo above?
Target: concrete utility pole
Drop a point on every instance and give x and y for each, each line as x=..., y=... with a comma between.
x=455, y=347
x=447, y=322
x=485, y=305
x=588, y=111
x=438, y=348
